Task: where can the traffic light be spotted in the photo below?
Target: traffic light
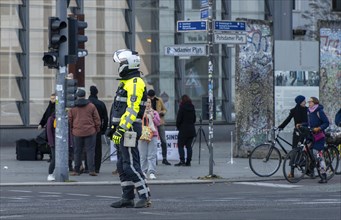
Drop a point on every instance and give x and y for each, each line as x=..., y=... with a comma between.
x=70, y=95
x=51, y=60
x=76, y=39
x=55, y=35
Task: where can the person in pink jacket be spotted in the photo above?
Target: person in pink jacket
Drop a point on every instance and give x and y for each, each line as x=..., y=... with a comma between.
x=148, y=149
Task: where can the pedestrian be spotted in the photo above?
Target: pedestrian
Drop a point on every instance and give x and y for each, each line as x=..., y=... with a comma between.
x=318, y=122
x=185, y=120
x=103, y=114
x=158, y=105
x=50, y=129
x=48, y=111
x=148, y=149
x=85, y=123
x=127, y=113
x=299, y=114
x=338, y=118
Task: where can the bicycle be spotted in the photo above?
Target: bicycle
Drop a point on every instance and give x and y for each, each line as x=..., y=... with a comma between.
x=265, y=159
x=301, y=159
x=333, y=138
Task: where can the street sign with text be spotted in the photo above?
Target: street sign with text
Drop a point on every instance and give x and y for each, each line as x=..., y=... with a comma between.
x=189, y=26
x=224, y=38
x=186, y=50
x=229, y=25
x=204, y=13
x=204, y=3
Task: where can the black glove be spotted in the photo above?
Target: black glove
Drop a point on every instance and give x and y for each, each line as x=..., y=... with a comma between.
x=110, y=132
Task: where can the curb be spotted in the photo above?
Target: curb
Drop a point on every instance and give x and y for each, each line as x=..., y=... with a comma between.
x=150, y=182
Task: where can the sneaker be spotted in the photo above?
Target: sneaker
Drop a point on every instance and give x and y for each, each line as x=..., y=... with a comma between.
x=123, y=203
x=165, y=162
x=93, y=174
x=290, y=175
x=143, y=203
x=152, y=176
x=51, y=177
x=74, y=173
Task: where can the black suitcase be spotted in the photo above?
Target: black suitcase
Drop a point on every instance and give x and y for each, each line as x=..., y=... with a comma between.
x=26, y=149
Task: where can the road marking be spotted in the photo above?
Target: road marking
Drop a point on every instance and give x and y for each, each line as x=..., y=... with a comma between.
x=11, y=216
x=317, y=202
x=75, y=194
x=53, y=193
x=23, y=191
x=109, y=197
x=269, y=184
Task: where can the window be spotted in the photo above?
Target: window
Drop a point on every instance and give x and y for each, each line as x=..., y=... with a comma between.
x=336, y=5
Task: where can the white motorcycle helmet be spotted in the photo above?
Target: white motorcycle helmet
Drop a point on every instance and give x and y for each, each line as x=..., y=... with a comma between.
x=128, y=60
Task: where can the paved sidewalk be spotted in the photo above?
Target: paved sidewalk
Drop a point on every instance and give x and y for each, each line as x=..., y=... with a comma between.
x=14, y=172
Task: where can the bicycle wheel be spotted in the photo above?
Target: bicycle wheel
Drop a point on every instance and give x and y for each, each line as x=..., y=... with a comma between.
x=265, y=160
x=338, y=168
x=331, y=160
x=294, y=165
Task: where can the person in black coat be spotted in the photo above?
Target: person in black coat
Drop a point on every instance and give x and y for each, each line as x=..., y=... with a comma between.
x=185, y=125
x=299, y=113
x=103, y=114
x=48, y=112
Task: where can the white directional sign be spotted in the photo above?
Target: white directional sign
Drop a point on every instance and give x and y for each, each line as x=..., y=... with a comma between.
x=224, y=38
x=186, y=50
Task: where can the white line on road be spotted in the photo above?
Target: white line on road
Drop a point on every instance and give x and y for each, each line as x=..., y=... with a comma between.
x=75, y=194
x=269, y=184
x=11, y=216
x=23, y=191
x=53, y=193
x=109, y=197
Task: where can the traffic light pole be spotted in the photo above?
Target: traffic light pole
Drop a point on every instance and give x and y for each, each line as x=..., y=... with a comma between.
x=210, y=85
x=61, y=171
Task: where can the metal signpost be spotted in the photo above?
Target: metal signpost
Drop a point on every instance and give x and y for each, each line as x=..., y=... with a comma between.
x=218, y=32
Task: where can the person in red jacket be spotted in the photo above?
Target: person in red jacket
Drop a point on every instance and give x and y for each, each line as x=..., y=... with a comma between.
x=84, y=123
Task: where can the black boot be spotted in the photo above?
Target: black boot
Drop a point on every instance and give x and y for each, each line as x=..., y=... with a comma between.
x=188, y=163
x=127, y=203
x=323, y=178
x=181, y=163
x=165, y=162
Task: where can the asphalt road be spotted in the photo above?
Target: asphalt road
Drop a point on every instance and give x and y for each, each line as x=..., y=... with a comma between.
x=238, y=200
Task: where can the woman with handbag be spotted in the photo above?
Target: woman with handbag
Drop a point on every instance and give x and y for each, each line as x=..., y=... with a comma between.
x=318, y=122
x=148, y=140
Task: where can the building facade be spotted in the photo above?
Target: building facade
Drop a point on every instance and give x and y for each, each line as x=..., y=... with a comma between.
x=147, y=26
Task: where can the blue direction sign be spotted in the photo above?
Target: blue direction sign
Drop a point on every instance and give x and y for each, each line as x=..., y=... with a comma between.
x=229, y=26
x=189, y=26
x=204, y=13
x=203, y=3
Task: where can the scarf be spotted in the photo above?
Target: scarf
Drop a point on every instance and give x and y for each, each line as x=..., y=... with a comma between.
x=313, y=108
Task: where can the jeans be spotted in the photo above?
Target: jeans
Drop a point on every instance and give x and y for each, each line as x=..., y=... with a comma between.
x=148, y=151
x=88, y=143
x=53, y=160
x=162, y=134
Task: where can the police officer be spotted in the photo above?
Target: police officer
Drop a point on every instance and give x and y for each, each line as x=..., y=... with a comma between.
x=127, y=112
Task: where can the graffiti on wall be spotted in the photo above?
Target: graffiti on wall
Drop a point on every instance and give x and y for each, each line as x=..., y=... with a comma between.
x=330, y=66
x=254, y=86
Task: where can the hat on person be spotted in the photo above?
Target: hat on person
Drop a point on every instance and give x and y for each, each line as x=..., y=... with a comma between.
x=80, y=93
x=151, y=93
x=93, y=90
x=299, y=99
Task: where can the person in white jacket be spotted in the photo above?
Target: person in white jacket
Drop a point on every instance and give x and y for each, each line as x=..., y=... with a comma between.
x=148, y=149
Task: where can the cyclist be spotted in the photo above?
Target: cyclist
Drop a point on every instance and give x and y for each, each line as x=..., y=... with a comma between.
x=318, y=122
x=299, y=113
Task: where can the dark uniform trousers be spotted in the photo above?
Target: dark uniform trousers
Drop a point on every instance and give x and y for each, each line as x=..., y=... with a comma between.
x=129, y=169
